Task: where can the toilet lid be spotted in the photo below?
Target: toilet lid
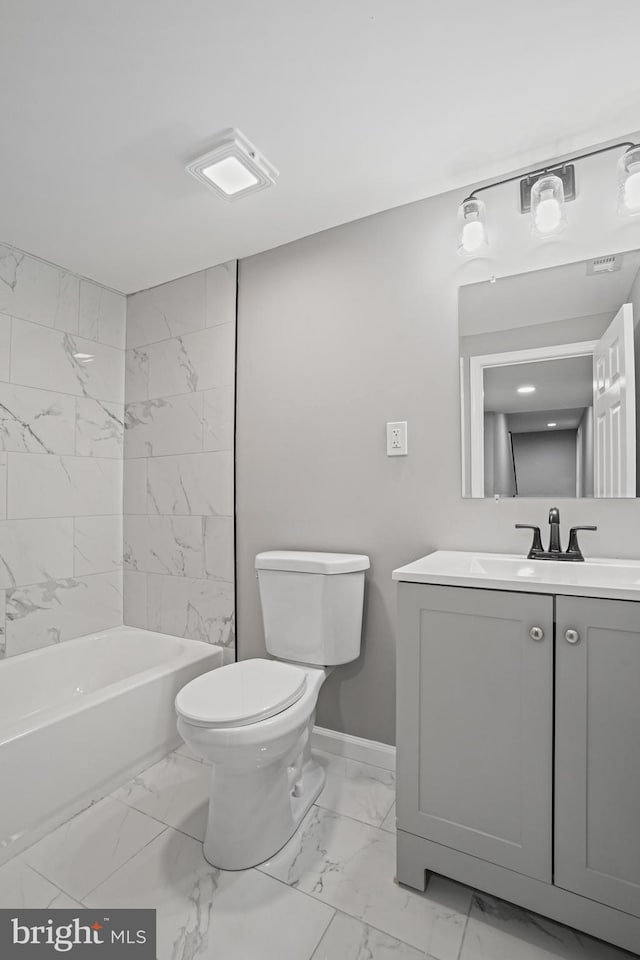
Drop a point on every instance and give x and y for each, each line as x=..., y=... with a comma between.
x=241, y=693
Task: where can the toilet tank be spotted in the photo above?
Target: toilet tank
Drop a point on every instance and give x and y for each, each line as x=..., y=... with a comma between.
x=312, y=605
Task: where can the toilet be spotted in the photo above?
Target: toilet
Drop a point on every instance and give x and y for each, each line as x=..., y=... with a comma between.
x=253, y=719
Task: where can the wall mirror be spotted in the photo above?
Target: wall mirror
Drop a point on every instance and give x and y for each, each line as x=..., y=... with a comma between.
x=549, y=381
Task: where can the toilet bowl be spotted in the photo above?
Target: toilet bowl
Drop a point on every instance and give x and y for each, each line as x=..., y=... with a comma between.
x=253, y=719
x=264, y=778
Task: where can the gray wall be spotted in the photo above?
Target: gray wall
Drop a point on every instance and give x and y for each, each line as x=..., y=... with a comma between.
x=343, y=331
x=61, y=426
x=545, y=461
x=178, y=468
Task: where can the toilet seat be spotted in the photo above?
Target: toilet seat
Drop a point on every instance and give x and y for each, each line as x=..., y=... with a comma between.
x=240, y=694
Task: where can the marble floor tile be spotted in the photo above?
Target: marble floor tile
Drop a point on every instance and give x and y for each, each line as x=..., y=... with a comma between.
x=22, y=886
x=174, y=791
x=348, y=939
x=186, y=751
x=87, y=849
x=351, y=866
x=356, y=790
x=501, y=931
x=207, y=913
x=389, y=822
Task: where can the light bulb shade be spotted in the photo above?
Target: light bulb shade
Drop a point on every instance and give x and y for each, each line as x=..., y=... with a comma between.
x=472, y=228
x=629, y=182
x=547, y=206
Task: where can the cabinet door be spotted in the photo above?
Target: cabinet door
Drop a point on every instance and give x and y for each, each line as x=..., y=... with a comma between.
x=598, y=750
x=475, y=723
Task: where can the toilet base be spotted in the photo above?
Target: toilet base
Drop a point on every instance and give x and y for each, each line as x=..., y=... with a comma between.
x=253, y=814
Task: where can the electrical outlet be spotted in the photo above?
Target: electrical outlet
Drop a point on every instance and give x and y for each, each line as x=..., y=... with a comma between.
x=397, y=439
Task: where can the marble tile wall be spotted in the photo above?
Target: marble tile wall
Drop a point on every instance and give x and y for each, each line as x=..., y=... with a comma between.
x=62, y=341
x=179, y=458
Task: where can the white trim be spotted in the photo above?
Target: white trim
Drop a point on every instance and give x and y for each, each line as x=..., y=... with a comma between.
x=463, y=445
x=477, y=366
x=354, y=748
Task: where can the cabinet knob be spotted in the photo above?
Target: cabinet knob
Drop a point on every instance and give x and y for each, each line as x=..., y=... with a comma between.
x=536, y=633
x=572, y=636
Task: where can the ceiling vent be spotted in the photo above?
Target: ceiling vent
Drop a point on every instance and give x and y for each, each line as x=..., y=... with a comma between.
x=233, y=167
x=608, y=264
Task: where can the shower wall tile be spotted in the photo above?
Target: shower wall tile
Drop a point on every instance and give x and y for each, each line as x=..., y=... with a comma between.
x=49, y=612
x=32, y=551
x=5, y=345
x=135, y=486
x=221, y=294
x=193, y=483
x=168, y=425
x=62, y=366
x=46, y=486
x=97, y=545
x=136, y=375
x=219, y=418
x=169, y=310
x=58, y=361
x=199, y=609
x=36, y=421
x=135, y=599
x=99, y=429
x=2, y=623
x=34, y=290
x=219, y=548
x=172, y=545
x=179, y=458
x=103, y=315
x=3, y=486
x=197, y=361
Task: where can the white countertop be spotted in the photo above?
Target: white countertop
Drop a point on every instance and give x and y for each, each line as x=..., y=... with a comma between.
x=595, y=577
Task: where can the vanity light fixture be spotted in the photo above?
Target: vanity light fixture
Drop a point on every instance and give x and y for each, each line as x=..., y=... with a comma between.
x=472, y=228
x=526, y=389
x=544, y=192
x=233, y=167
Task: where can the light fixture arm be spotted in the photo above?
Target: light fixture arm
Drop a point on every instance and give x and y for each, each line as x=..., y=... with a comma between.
x=541, y=171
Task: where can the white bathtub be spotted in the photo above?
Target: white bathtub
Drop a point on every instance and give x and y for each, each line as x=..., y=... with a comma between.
x=79, y=718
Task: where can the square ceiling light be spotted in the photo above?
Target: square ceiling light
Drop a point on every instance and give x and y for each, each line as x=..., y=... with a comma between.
x=234, y=167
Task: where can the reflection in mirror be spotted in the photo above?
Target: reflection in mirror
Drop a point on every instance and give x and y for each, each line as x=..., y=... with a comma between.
x=549, y=389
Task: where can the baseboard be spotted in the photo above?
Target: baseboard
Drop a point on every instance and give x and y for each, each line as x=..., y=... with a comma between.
x=354, y=748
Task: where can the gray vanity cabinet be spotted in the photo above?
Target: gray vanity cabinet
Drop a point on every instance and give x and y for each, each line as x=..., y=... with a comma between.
x=597, y=807
x=475, y=723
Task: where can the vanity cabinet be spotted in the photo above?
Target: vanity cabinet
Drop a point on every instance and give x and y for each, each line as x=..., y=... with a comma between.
x=475, y=723
x=597, y=762
x=518, y=750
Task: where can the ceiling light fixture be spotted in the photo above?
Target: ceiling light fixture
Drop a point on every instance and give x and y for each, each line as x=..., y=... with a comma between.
x=526, y=389
x=545, y=192
x=552, y=424
x=233, y=167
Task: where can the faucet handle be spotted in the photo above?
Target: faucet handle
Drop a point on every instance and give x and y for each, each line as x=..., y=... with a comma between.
x=574, y=546
x=536, y=545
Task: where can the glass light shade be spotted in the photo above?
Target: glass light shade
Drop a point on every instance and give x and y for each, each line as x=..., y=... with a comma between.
x=547, y=206
x=629, y=181
x=472, y=227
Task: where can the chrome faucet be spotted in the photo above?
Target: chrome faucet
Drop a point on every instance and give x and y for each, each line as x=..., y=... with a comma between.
x=555, y=552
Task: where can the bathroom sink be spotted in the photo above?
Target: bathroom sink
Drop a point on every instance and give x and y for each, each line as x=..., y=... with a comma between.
x=617, y=579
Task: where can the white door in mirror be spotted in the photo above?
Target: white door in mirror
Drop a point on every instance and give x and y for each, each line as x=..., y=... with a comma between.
x=397, y=439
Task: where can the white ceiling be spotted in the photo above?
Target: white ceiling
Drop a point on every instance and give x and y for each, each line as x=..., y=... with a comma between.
x=362, y=105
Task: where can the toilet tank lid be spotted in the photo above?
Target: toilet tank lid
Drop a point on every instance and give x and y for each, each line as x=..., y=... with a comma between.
x=311, y=562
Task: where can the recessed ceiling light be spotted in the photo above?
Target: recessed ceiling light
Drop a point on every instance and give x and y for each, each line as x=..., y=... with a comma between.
x=233, y=167
x=526, y=389
x=552, y=424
